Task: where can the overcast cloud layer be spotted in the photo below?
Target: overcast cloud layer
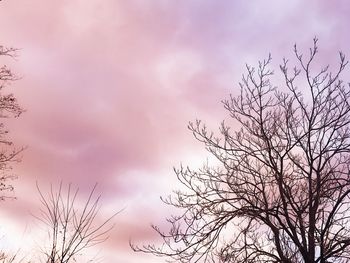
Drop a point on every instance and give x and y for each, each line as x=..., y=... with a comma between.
x=109, y=87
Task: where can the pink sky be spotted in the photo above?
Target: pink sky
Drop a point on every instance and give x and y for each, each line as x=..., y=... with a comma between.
x=109, y=87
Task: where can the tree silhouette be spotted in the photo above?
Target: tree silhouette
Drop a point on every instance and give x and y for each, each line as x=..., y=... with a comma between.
x=9, y=107
x=281, y=190
x=71, y=229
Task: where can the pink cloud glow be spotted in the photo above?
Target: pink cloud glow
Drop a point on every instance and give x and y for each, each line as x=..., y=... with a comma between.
x=109, y=87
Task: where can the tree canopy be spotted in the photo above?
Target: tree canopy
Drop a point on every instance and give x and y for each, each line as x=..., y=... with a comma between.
x=9, y=108
x=281, y=190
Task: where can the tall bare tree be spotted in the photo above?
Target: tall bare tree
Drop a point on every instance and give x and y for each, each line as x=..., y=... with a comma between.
x=9, y=108
x=71, y=229
x=281, y=191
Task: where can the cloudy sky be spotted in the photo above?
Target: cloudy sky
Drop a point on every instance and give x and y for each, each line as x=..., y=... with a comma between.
x=110, y=85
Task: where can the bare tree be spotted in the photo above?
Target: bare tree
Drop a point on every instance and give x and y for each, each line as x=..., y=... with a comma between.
x=71, y=230
x=281, y=191
x=9, y=107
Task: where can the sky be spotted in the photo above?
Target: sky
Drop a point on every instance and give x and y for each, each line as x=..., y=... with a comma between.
x=109, y=87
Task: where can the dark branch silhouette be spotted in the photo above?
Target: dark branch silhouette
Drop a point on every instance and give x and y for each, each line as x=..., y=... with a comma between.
x=13, y=258
x=9, y=108
x=281, y=191
x=72, y=229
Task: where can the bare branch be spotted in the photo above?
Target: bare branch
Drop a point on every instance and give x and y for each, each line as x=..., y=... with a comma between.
x=71, y=229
